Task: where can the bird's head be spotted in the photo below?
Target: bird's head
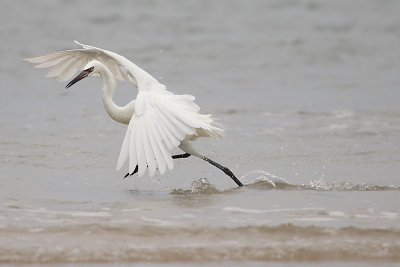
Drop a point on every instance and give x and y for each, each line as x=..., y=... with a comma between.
x=89, y=69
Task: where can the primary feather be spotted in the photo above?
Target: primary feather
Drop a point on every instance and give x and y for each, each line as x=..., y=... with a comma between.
x=121, y=68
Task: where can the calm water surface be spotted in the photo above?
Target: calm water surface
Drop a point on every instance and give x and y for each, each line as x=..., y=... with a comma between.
x=308, y=92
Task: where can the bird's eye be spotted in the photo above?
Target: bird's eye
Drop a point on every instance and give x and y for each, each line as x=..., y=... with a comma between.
x=91, y=69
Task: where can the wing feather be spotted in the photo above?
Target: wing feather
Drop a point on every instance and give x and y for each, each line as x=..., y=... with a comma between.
x=172, y=129
x=132, y=153
x=165, y=135
x=115, y=70
x=69, y=70
x=52, y=58
x=155, y=130
x=58, y=68
x=53, y=61
x=149, y=152
x=182, y=128
x=123, y=155
x=171, y=136
x=122, y=68
x=154, y=145
x=140, y=153
x=183, y=118
x=157, y=146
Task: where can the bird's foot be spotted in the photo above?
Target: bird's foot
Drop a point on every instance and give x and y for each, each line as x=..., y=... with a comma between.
x=134, y=171
x=180, y=156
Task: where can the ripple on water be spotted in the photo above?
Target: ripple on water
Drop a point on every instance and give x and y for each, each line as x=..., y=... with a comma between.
x=262, y=180
x=163, y=243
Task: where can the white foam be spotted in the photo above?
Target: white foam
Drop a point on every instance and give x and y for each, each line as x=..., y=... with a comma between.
x=337, y=127
x=341, y=114
x=36, y=230
x=48, y=221
x=314, y=219
x=362, y=216
x=336, y=213
x=389, y=215
x=185, y=216
x=157, y=221
x=242, y=210
x=89, y=214
x=133, y=209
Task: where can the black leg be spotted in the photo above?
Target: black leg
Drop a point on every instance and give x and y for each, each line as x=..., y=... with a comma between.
x=225, y=170
x=180, y=156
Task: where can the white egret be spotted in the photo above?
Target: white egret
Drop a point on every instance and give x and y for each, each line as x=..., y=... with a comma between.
x=158, y=119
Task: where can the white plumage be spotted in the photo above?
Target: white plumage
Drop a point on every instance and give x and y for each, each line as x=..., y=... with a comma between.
x=158, y=119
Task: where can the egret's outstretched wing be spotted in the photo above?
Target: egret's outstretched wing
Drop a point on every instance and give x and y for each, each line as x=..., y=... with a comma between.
x=160, y=122
x=66, y=63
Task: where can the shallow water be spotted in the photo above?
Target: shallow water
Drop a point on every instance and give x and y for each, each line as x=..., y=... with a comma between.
x=306, y=90
x=265, y=221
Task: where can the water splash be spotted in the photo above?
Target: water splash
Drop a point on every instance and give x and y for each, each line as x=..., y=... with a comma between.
x=201, y=186
x=323, y=185
x=262, y=180
x=263, y=177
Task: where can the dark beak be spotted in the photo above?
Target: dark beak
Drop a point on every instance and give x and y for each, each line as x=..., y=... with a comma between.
x=81, y=75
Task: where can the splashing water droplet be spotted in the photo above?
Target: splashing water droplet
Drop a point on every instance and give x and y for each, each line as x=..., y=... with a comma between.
x=263, y=176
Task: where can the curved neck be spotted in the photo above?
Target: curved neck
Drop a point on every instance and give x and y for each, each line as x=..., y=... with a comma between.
x=117, y=113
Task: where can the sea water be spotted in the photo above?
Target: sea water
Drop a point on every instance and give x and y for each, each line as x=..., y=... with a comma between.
x=307, y=91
